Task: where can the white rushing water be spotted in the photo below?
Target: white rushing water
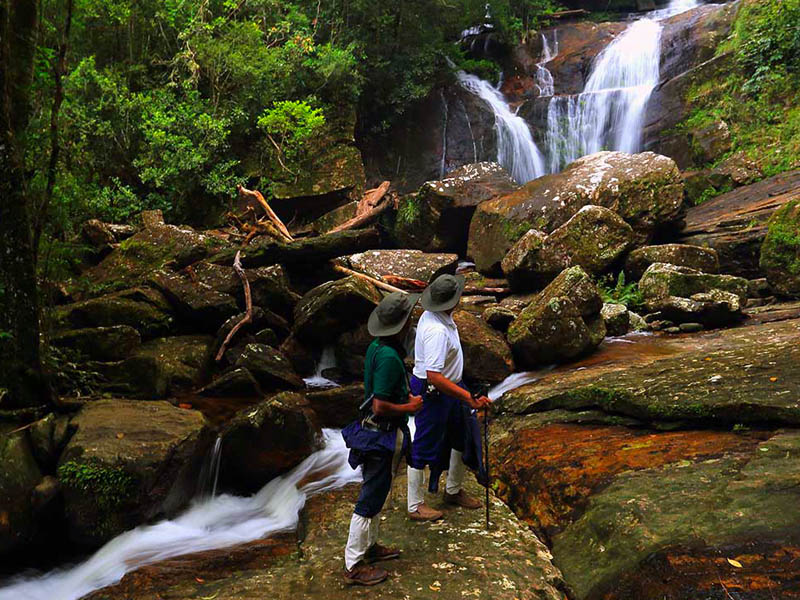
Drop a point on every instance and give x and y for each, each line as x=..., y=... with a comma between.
x=544, y=78
x=609, y=113
x=326, y=361
x=516, y=150
x=210, y=524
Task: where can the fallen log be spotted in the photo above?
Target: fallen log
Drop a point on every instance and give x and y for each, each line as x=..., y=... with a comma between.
x=406, y=283
x=245, y=193
x=376, y=282
x=491, y=291
x=248, y=302
x=365, y=218
x=312, y=250
x=371, y=198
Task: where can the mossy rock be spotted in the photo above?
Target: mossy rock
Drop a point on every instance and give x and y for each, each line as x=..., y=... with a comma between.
x=780, y=251
x=269, y=367
x=144, y=309
x=19, y=477
x=681, y=255
x=334, y=307
x=487, y=356
x=645, y=189
x=101, y=343
x=267, y=440
x=662, y=280
x=336, y=169
x=129, y=462
x=162, y=367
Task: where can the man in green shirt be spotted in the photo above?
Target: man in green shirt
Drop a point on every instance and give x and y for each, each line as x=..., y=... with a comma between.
x=380, y=435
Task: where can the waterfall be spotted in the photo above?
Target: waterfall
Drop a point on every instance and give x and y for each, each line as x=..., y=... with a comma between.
x=516, y=150
x=209, y=524
x=209, y=474
x=544, y=78
x=326, y=361
x=609, y=113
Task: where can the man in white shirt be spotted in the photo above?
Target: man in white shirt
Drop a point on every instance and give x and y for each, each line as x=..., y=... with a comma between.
x=440, y=425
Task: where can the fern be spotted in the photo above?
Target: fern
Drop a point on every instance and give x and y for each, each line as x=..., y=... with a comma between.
x=620, y=292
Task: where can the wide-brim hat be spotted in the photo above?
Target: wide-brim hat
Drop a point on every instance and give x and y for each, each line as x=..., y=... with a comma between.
x=391, y=314
x=444, y=293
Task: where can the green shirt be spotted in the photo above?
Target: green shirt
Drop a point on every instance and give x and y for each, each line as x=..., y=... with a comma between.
x=385, y=373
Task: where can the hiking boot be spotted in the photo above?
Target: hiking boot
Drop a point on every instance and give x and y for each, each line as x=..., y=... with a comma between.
x=424, y=513
x=462, y=499
x=363, y=574
x=377, y=553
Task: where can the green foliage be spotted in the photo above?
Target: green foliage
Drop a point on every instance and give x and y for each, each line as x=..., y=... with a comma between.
x=757, y=91
x=110, y=487
x=70, y=374
x=617, y=291
x=768, y=40
x=409, y=211
x=781, y=246
x=290, y=125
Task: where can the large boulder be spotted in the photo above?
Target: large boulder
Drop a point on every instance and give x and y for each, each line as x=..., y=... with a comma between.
x=412, y=264
x=128, y=463
x=334, y=307
x=269, y=286
x=263, y=442
x=780, y=252
x=561, y=323
x=681, y=255
x=336, y=407
x=487, y=356
x=196, y=303
x=595, y=238
x=144, y=309
x=18, y=479
x=156, y=246
x=645, y=189
x=437, y=217
x=162, y=367
x=269, y=367
x=100, y=343
x=685, y=295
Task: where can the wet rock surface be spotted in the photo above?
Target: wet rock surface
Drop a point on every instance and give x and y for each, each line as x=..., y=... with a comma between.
x=659, y=461
x=452, y=559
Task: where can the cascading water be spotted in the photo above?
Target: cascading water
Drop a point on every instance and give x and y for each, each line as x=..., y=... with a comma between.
x=516, y=150
x=209, y=474
x=326, y=361
x=609, y=113
x=544, y=78
x=210, y=524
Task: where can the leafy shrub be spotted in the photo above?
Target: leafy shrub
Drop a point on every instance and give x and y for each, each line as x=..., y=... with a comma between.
x=290, y=125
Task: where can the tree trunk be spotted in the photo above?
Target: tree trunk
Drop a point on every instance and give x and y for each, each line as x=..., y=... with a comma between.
x=20, y=367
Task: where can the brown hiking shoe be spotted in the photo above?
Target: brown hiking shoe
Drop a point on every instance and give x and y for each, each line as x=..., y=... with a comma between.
x=377, y=553
x=363, y=574
x=425, y=513
x=462, y=499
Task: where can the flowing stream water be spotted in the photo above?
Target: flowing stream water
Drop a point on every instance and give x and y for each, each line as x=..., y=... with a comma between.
x=326, y=361
x=213, y=523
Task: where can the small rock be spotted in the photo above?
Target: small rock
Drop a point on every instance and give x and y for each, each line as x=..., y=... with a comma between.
x=691, y=327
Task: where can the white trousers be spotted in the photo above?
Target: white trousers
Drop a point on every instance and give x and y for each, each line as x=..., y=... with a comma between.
x=416, y=481
x=363, y=535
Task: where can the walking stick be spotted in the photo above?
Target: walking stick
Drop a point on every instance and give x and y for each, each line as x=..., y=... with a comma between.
x=486, y=445
x=482, y=391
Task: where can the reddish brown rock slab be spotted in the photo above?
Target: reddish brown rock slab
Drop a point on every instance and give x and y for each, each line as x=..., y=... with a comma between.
x=735, y=224
x=768, y=571
x=547, y=474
